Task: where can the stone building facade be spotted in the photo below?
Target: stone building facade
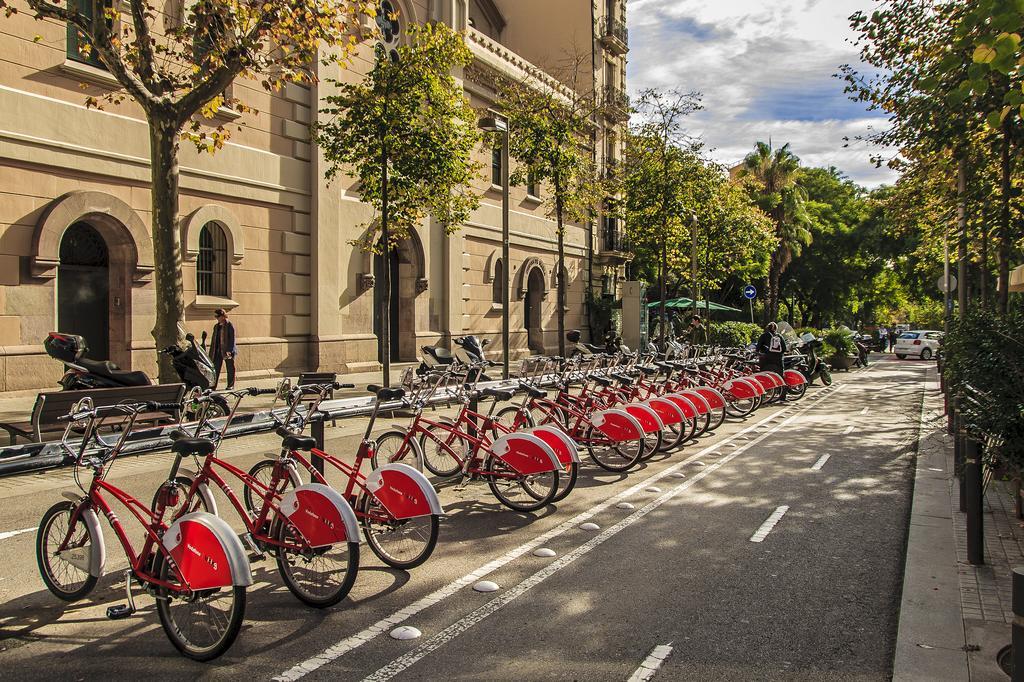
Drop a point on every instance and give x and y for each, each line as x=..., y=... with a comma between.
x=262, y=233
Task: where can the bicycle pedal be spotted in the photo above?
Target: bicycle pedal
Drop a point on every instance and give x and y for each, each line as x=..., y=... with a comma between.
x=119, y=611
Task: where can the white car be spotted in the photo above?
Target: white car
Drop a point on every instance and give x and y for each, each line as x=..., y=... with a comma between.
x=923, y=343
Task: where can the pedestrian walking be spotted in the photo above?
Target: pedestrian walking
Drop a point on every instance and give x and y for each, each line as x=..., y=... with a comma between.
x=223, y=347
x=770, y=349
x=883, y=338
x=893, y=335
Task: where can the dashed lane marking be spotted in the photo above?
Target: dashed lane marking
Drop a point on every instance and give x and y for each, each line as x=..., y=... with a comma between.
x=820, y=463
x=357, y=640
x=849, y=430
x=651, y=664
x=12, y=533
x=768, y=524
x=865, y=410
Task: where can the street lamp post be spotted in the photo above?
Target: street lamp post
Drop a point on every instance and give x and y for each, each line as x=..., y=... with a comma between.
x=499, y=126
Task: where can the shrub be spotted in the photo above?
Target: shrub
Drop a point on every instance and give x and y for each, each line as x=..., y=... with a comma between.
x=838, y=342
x=984, y=365
x=804, y=330
x=732, y=334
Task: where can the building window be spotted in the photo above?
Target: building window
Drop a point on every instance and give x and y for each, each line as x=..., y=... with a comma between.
x=212, y=262
x=496, y=165
x=496, y=283
x=532, y=186
x=390, y=27
x=79, y=48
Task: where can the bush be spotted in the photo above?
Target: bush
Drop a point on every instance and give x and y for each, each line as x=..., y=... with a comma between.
x=984, y=365
x=733, y=334
x=838, y=342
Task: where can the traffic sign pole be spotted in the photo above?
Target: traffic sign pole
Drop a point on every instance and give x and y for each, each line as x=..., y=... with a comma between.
x=750, y=293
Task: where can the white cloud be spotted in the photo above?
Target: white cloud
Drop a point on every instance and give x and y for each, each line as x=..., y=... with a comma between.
x=766, y=70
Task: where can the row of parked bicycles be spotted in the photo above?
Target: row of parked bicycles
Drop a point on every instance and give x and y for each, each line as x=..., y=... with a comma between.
x=306, y=508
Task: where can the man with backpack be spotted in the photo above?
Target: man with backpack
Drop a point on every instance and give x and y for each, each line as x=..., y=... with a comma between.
x=770, y=349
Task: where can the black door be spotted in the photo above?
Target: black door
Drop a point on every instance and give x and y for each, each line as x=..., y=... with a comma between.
x=83, y=288
x=378, y=292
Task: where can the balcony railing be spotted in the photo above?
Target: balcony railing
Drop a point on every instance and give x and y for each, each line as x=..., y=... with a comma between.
x=614, y=236
x=616, y=103
x=615, y=35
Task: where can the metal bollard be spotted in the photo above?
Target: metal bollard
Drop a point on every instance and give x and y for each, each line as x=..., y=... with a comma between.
x=316, y=430
x=1017, y=629
x=975, y=520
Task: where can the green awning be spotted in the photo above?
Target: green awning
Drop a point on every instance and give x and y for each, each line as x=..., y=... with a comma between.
x=687, y=303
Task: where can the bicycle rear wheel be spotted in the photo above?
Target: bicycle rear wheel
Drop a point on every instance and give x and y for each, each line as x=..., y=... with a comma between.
x=319, y=577
x=62, y=571
x=518, y=492
x=201, y=625
x=613, y=456
x=401, y=544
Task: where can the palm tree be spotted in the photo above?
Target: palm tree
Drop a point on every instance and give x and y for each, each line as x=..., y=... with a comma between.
x=773, y=177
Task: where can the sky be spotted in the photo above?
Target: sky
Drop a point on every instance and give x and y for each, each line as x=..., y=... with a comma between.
x=765, y=69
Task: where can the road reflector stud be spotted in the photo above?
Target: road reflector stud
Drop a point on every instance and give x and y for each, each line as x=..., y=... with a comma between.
x=653, y=489
x=405, y=632
x=625, y=505
x=486, y=586
x=544, y=552
x=679, y=474
x=589, y=526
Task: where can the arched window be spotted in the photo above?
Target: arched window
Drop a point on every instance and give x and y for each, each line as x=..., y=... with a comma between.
x=212, y=262
x=496, y=283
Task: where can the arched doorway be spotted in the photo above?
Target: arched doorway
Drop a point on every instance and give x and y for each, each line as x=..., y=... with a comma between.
x=83, y=288
x=533, y=311
x=405, y=262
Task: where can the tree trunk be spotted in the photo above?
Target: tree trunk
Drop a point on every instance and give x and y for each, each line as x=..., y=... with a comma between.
x=1005, y=238
x=774, y=275
x=983, y=272
x=385, y=299
x=961, y=224
x=559, y=275
x=170, y=298
x=662, y=267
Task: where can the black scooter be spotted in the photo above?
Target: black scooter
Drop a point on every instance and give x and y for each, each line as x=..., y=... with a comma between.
x=814, y=367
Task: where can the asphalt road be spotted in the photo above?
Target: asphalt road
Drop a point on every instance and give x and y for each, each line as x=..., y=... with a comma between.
x=694, y=579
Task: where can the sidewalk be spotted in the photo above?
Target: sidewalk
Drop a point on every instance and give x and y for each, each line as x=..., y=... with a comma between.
x=954, y=617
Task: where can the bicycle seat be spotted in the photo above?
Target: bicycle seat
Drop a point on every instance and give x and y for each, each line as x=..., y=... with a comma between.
x=497, y=394
x=193, y=446
x=294, y=441
x=386, y=394
x=604, y=381
x=649, y=371
x=621, y=378
x=532, y=392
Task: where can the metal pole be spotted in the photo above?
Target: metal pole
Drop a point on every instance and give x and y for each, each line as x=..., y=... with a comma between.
x=751, y=302
x=506, y=265
x=1017, y=629
x=316, y=429
x=975, y=520
x=693, y=261
x=946, y=295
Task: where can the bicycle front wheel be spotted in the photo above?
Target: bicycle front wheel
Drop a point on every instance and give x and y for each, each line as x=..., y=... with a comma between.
x=402, y=544
x=437, y=444
x=566, y=481
x=514, y=418
x=319, y=577
x=523, y=493
x=611, y=455
x=201, y=625
x=391, y=446
x=62, y=571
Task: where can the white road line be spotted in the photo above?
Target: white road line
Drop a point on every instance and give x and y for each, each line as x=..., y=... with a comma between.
x=820, y=463
x=651, y=664
x=849, y=430
x=355, y=641
x=769, y=523
x=12, y=533
x=461, y=626
x=865, y=410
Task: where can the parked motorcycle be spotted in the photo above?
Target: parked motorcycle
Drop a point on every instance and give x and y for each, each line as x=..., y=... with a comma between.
x=813, y=366
x=192, y=364
x=469, y=350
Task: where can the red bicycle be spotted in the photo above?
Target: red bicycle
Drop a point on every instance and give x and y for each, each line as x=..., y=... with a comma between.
x=195, y=567
x=309, y=529
x=397, y=507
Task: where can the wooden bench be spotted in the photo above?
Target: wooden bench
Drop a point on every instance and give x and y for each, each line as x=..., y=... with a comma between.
x=49, y=406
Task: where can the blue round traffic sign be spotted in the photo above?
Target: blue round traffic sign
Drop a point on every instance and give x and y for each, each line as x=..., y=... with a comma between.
x=749, y=291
